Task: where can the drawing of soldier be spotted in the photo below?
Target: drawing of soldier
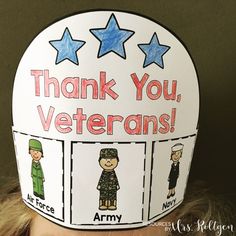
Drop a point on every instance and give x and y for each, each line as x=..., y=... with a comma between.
x=36, y=152
x=176, y=154
x=108, y=184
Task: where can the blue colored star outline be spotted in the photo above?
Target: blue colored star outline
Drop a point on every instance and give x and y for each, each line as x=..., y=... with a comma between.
x=112, y=38
x=67, y=47
x=154, y=52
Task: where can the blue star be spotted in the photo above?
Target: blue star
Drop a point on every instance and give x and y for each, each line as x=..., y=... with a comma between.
x=67, y=47
x=154, y=52
x=112, y=38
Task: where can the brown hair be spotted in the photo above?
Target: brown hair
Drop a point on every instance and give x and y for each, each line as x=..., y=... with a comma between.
x=15, y=217
x=201, y=203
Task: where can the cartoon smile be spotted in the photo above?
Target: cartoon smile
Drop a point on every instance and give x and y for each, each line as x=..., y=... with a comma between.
x=109, y=165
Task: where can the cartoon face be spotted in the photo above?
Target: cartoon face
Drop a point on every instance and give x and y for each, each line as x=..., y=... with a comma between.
x=36, y=155
x=108, y=163
x=175, y=156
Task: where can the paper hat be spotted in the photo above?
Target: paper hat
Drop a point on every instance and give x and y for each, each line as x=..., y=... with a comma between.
x=91, y=84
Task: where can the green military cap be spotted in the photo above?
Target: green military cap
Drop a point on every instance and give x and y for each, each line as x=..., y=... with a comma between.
x=108, y=153
x=36, y=145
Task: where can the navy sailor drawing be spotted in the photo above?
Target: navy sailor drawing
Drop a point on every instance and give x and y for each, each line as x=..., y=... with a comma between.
x=176, y=154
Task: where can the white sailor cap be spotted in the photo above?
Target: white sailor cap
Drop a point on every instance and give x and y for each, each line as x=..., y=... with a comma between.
x=177, y=147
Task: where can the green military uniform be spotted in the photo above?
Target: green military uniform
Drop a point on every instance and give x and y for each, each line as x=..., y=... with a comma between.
x=38, y=179
x=36, y=169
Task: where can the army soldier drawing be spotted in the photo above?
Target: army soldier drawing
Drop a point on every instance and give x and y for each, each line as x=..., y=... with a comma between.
x=108, y=184
x=36, y=152
x=176, y=154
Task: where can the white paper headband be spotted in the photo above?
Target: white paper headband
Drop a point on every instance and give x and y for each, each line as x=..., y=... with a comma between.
x=100, y=101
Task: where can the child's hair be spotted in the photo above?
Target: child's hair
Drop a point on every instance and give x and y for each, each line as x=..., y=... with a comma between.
x=200, y=203
x=15, y=216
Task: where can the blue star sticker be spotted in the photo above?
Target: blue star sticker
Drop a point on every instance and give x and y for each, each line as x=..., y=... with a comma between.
x=112, y=38
x=67, y=48
x=154, y=52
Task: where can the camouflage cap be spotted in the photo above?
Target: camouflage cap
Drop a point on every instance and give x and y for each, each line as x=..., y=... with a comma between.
x=108, y=153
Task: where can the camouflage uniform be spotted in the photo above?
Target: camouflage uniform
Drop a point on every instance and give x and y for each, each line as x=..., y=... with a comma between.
x=108, y=185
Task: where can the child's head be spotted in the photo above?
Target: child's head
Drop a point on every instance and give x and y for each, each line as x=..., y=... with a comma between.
x=35, y=149
x=108, y=158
